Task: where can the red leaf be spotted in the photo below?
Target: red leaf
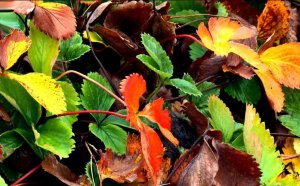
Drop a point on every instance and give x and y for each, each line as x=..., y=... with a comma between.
x=20, y=7
x=152, y=149
x=154, y=113
x=59, y=16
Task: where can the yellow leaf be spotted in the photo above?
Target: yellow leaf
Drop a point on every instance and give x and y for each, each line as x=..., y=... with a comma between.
x=288, y=149
x=274, y=19
x=43, y=89
x=284, y=63
x=12, y=47
x=273, y=89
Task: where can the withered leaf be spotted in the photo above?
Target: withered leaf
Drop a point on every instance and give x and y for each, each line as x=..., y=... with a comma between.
x=62, y=172
x=98, y=12
x=241, y=70
x=19, y=7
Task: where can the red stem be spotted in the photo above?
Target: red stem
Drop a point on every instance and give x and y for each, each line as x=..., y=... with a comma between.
x=89, y=112
x=183, y=36
x=26, y=175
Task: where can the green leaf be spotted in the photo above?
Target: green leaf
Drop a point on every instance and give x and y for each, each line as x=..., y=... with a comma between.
x=122, y=122
x=43, y=51
x=246, y=91
x=237, y=139
x=9, y=142
x=17, y=96
x=292, y=104
x=11, y=20
x=160, y=60
x=184, y=18
x=177, y=6
x=196, y=51
x=221, y=118
x=91, y=171
x=72, y=101
x=260, y=144
x=2, y=182
x=113, y=137
x=221, y=9
x=186, y=86
x=94, y=98
x=56, y=137
x=72, y=48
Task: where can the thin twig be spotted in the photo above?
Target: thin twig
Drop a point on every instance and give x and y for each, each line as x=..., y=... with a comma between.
x=288, y=157
x=87, y=112
x=26, y=175
x=92, y=81
x=196, y=15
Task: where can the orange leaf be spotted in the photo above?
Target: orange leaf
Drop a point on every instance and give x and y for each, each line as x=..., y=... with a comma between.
x=152, y=149
x=59, y=16
x=272, y=88
x=284, y=63
x=221, y=31
x=12, y=47
x=274, y=18
x=154, y=113
x=132, y=88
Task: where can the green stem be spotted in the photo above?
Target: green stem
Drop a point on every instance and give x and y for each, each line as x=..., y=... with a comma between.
x=92, y=81
x=154, y=91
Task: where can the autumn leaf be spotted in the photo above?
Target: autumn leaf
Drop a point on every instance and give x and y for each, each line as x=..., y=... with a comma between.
x=273, y=19
x=293, y=165
x=132, y=88
x=12, y=47
x=19, y=7
x=220, y=32
x=43, y=89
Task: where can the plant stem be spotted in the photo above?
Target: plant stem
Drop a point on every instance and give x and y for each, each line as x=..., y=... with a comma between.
x=196, y=15
x=26, y=175
x=183, y=36
x=88, y=112
x=288, y=157
x=92, y=81
x=154, y=92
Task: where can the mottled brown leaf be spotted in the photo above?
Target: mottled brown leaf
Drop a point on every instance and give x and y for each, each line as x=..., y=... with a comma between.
x=62, y=172
x=241, y=70
x=56, y=20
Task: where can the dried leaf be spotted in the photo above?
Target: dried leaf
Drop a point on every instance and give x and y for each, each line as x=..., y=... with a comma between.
x=62, y=172
x=43, y=89
x=12, y=47
x=60, y=16
x=98, y=11
x=241, y=70
x=274, y=19
x=20, y=7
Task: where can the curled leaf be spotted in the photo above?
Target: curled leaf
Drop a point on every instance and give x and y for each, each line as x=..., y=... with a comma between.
x=43, y=89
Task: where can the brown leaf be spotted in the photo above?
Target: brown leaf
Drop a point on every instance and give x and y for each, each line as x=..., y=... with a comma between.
x=201, y=170
x=62, y=172
x=241, y=70
x=19, y=7
x=4, y=115
x=293, y=23
x=235, y=167
x=267, y=44
x=130, y=18
x=198, y=120
x=205, y=67
x=98, y=12
x=59, y=16
x=121, y=169
x=118, y=40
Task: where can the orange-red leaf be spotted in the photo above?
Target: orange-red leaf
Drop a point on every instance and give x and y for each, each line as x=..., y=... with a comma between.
x=154, y=113
x=284, y=63
x=132, y=88
x=273, y=89
x=152, y=149
x=55, y=19
x=12, y=47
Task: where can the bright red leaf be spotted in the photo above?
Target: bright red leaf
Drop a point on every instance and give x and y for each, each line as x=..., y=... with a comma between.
x=132, y=88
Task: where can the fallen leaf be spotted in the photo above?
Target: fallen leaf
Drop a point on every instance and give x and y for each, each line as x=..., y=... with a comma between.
x=12, y=47
x=98, y=12
x=273, y=19
x=241, y=70
x=62, y=172
x=60, y=16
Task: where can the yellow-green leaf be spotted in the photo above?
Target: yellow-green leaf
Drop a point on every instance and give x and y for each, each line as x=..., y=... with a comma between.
x=260, y=144
x=44, y=90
